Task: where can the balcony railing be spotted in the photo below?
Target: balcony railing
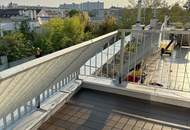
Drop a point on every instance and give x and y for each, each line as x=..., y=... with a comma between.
x=142, y=62
x=24, y=87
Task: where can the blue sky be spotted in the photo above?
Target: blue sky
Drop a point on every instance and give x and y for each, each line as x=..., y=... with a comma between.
x=108, y=3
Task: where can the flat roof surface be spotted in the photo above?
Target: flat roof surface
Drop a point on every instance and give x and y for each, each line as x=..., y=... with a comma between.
x=95, y=110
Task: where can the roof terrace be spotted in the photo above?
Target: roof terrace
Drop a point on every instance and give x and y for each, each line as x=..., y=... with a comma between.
x=121, y=80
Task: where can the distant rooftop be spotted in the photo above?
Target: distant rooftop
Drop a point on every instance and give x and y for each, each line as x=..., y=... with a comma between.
x=17, y=6
x=86, y=6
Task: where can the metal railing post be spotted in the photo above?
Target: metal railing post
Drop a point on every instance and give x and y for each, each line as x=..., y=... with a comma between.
x=113, y=71
x=4, y=123
x=101, y=73
x=25, y=109
x=31, y=105
x=122, y=56
x=12, y=117
x=90, y=66
x=77, y=74
x=85, y=69
x=107, y=61
x=96, y=68
x=19, y=113
x=38, y=102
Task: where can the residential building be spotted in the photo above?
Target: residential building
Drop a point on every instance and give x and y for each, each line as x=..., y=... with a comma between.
x=12, y=5
x=10, y=18
x=97, y=15
x=95, y=9
x=115, y=12
x=13, y=13
x=45, y=14
x=70, y=6
x=86, y=6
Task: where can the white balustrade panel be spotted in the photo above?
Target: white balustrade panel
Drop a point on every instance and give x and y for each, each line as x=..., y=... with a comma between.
x=22, y=83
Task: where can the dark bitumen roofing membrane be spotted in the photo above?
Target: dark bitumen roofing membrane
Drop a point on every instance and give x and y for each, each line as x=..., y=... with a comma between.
x=89, y=109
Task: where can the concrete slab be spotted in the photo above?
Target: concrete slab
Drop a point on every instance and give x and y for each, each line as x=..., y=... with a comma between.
x=156, y=94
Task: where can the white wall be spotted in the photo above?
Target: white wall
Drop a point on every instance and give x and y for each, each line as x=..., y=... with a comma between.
x=7, y=26
x=11, y=26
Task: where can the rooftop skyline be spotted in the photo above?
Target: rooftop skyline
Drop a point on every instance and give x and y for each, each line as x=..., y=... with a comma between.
x=56, y=3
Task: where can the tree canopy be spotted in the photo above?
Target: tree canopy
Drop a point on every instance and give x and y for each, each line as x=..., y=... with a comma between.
x=15, y=46
x=73, y=12
x=178, y=14
x=108, y=25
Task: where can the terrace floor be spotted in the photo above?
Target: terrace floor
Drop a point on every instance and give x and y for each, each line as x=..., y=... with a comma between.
x=171, y=72
x=95, y=110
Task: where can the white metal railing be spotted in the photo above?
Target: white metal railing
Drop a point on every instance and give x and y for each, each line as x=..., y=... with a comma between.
x=109, y=59
x=105, y=55
x=156, y=70
x=22, y=86
x=163, y=26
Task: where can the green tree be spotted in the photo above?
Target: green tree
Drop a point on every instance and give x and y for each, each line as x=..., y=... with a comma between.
x=61, y=33
x=90, y=30
x=73, y=31
x=108, y=25
x=44, y=43
x=147, y=15
x=54, y=31
x=24, y=27
x=55, y=24
x=178, y=14
x=26, y=30
x=3, y=48
x=73, y=13
x=84, y=18
x=162, y=12
x=128, y=18
x=15, y=46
